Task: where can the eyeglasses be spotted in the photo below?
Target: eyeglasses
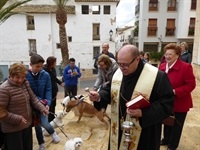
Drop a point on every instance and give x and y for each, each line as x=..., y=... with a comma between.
x=168, y=54
x=126, y=65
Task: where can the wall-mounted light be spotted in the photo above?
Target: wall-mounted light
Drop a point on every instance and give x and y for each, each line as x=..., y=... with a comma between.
x=111, y=34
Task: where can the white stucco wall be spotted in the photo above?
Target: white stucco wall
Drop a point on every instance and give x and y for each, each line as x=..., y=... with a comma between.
x=185, y=13
x=14, y=35
x=13, y=40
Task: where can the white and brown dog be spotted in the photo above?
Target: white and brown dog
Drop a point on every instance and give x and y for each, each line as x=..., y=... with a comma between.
x=65, y=101
x=56, y=122
x=73, y=144
x=84, y=107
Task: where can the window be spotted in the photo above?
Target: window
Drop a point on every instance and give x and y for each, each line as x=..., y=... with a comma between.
x=190, y=46
x=30, y=23
x=32, y=46
x=69, y=38
x=96, y=51
x=170, y=29
x=96, y=29
x=58, y=45
x=96, y=9
x=193, y=4
x=153, y=5
x=171, y=5
x=106, y=10
x=137, y=9
x=191, y=27
x=136, y=30
x=152, y=27
x=85, y=9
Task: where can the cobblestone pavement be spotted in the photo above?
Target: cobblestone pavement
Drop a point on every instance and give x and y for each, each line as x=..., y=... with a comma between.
x=96, y=137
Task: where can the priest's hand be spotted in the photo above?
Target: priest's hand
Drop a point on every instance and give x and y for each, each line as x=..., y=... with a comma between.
x=136, y=113
x=94, y=96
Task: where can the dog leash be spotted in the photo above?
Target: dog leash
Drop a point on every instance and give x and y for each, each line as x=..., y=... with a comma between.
x=58, y=126
x=52, y=113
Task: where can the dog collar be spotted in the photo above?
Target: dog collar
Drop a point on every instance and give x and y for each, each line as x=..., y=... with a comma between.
x=80, y=101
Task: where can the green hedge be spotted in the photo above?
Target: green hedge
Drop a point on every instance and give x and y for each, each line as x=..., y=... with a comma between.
x=156, y=56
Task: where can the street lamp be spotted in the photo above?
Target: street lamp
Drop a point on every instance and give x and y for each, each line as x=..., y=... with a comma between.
x=160, y=43
x=110, y=33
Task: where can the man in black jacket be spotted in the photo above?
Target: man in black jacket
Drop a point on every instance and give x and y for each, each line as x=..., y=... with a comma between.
x=105, y=48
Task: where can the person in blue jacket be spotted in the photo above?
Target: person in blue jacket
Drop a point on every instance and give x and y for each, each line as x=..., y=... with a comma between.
x=40, y=83
x=70, y=75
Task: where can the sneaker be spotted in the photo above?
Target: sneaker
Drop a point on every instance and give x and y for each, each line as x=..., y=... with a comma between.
x=41, y=146
x=55, y=137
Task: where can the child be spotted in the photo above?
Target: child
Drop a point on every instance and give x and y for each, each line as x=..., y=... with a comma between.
x=40, y=83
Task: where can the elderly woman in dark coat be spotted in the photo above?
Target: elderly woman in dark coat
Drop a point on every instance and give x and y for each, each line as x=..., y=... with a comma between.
x=17, y=97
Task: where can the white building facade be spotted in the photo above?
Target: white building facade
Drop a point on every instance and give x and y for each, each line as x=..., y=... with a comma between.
x=35, y=29
x=163, y=21
x=196, y=49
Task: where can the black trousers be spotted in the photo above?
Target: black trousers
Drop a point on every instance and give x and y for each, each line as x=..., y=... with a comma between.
x=52, y=109
x=71, y=90
x=103, y=103
x=172, y=134
x=2, y=140
x=20, y=140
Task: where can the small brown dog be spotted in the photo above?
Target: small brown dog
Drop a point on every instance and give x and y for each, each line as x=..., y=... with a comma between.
x=84, y=107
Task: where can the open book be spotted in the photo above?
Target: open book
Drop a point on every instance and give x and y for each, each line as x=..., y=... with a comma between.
x=138, y=102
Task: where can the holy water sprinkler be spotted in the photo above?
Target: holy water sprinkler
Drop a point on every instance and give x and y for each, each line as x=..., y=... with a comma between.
x=87, y=90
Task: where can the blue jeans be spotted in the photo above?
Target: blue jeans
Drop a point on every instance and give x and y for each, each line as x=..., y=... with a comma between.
x=46, y=125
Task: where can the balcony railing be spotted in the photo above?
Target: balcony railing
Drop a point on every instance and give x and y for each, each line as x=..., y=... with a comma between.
x=170, y=31
x=152, y=30
x=191, y=30
x=30, y=27
x=96, y=37
x=153, y=6
x=171, y=8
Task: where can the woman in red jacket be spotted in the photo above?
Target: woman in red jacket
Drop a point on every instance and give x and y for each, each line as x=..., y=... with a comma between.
x=183, y=82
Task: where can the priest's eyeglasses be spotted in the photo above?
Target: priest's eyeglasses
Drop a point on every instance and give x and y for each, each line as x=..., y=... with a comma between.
x=126, y=65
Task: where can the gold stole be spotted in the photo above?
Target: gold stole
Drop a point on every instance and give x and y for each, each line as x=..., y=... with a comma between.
x=144, y=85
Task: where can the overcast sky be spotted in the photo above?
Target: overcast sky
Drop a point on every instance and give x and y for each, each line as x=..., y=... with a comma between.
x=125, y=12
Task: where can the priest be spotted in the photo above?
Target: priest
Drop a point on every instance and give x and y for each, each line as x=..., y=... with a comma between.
x=135, y=78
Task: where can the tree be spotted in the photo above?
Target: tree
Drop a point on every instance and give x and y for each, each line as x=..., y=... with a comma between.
x=61, y=19
x=6, y=12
